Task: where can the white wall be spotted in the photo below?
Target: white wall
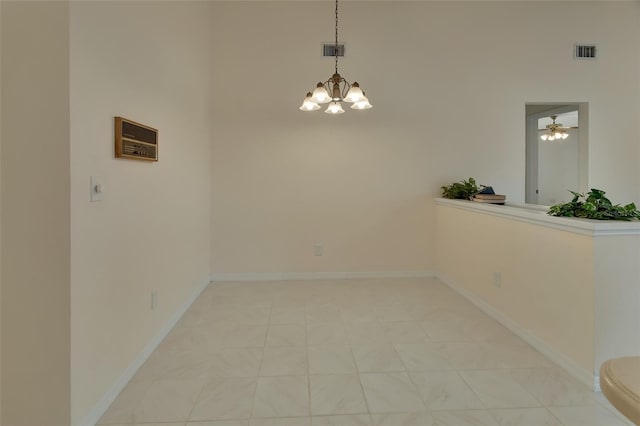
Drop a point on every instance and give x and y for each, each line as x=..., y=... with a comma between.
x=449, y=82
x=546, y=285
x=568, y=286
x=150, y=62
x=0, y=216
x=617, y=297
x=35, y=214
x=558, y=168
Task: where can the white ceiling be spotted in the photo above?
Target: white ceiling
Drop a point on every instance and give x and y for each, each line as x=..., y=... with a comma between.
x=568, y=119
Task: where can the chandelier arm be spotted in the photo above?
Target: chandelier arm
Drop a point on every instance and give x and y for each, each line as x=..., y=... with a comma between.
x=345, y=89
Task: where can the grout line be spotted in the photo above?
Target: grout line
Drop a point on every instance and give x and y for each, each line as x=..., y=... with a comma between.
x=355, y=363
x=264, y=344
x=611, y=409
x=208, y=354
x=306, y=339
x=553, y=415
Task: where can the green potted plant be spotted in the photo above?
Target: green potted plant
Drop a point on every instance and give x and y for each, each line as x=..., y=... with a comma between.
x=461, y=190
x=594, y=205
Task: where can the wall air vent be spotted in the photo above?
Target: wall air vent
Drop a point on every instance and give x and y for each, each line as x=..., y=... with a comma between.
x=584, y=51
x=329, y=49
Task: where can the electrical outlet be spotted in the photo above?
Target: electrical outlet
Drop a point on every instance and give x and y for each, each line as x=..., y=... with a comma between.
x=154, y=300
x=497, y=279
x=317, y=249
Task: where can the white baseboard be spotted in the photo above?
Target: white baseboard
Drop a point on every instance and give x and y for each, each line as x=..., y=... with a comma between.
x=107, y=399
x=289, y=276
x=563, y=361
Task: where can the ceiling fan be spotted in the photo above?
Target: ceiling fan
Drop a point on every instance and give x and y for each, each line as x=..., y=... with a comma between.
x=555, y=131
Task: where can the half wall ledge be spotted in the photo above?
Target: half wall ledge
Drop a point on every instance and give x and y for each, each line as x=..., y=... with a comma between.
x=571, y=287
x=535, y=214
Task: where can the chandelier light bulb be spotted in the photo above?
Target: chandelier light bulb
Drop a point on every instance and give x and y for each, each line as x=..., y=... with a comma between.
x=354, y=94
x=363, y=103
x=320, y=95
x=334, y=108
x=308, y=104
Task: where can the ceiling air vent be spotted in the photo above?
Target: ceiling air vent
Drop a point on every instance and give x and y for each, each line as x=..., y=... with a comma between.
x=329, y=49
x=584, y=51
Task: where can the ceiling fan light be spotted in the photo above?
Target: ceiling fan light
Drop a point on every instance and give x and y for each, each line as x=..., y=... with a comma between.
x=544, y=136
x=320, y=95
x=308, y=104
x=565, y=135
x=334, y=108
x=551, y=138
x=354, y=94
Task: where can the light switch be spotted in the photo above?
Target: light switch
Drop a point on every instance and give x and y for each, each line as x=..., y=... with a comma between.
x=97, y=188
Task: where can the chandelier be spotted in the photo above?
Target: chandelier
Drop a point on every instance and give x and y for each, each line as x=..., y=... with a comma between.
x=335, y=90
x=554, y=131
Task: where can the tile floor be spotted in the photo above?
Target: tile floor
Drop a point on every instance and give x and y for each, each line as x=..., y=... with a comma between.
x=396, y=352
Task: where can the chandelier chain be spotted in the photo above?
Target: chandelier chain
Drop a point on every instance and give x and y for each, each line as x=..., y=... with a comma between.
x=336, y=47
x=336, y=89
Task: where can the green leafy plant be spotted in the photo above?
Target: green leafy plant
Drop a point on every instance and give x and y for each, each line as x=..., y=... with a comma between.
x=461, y=190
x=594, y=206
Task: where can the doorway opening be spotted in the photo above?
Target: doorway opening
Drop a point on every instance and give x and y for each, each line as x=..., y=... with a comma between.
x=555, y=165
